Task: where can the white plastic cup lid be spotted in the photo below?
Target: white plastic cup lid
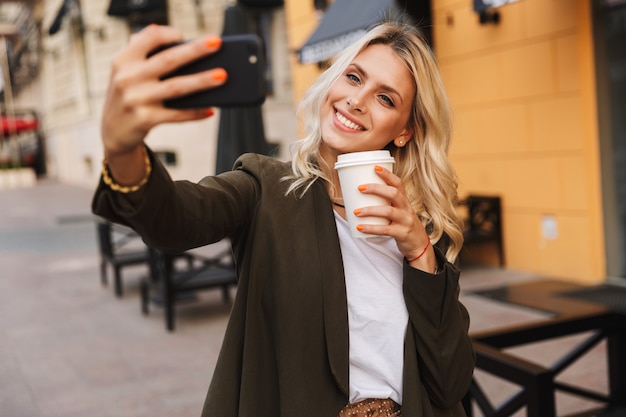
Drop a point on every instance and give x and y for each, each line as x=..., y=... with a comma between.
x=362, y=158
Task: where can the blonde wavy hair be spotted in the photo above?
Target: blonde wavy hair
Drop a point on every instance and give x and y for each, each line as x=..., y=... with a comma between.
x=423, y=165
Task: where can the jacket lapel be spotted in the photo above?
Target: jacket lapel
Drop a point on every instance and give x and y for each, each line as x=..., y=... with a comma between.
x=334, y=289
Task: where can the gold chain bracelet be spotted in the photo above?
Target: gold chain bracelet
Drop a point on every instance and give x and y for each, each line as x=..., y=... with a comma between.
x=124, y=189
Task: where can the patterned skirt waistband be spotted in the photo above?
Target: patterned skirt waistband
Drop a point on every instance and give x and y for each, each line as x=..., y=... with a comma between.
x=372, y=407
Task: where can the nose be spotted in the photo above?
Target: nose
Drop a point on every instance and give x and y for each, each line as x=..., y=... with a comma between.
x=355, y=102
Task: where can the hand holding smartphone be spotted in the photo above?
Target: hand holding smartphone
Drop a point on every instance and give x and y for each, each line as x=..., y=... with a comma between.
x=243, y=59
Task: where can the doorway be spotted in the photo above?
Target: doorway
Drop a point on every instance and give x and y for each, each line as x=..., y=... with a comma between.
x=609, y=39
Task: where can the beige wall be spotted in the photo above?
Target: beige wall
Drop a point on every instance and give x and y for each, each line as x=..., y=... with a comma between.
x=523, y=93
x=75, y=76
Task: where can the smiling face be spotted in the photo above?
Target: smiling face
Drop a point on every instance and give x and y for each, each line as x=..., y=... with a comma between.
x=369, y=105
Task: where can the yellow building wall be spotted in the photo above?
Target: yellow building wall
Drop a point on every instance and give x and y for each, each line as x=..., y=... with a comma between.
x=523, y=94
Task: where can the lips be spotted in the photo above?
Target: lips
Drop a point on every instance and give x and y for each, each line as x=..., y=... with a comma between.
x=347, y=123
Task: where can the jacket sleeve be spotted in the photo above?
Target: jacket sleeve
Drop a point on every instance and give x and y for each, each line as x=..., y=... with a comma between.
x=439, y=325
x=175, y=216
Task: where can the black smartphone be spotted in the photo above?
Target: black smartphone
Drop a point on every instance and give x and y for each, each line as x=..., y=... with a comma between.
x=242, y=57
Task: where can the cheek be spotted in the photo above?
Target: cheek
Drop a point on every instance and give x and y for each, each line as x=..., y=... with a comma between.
x=337, y=91
x=326, y=107
x=402, y=122
x=326, y=100
x=330, y=97
x=390, y=120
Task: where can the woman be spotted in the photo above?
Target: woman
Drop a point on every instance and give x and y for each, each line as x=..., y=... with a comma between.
x=323, y=324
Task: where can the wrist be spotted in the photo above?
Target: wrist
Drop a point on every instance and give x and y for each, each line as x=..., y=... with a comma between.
x=420, y=254
x=127, y=173
x=112, y=152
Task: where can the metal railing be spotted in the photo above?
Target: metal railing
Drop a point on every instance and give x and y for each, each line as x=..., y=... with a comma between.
x=537, y=383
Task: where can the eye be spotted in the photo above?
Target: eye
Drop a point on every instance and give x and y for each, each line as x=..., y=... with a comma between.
x=387, y=100
x=353, y=77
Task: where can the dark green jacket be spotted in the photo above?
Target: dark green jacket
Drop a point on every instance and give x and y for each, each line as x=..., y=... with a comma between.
x=285, y=352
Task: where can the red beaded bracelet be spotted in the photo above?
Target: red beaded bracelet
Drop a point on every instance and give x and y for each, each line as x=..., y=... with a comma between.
x=421, y=253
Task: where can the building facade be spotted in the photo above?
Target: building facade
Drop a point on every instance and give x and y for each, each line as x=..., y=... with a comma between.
x=75, y=69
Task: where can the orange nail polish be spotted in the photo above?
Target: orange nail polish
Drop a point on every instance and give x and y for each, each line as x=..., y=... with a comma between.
x=209, y=112
x=213, y=42
x=360, y=227
x=357, y=211
x=378, y=168
x=362, y=187
x=219, y=74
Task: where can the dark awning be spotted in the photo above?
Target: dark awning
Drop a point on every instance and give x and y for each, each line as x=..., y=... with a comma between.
x=343, y=23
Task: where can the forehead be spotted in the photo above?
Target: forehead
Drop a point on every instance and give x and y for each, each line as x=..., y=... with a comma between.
x=383, y=65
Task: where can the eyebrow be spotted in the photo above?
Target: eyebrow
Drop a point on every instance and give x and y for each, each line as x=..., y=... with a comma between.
x=382, y=86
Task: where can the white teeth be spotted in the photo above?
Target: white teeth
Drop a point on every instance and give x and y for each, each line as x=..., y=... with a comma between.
x=346, y=122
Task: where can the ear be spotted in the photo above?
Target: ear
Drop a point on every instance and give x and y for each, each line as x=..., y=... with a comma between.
x=403, y=138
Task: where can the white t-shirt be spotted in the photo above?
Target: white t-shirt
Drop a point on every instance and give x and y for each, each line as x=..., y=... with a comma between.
x=377, y=314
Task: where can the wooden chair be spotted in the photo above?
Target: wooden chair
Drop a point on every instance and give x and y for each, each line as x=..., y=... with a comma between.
x=115, y=251
x=173, y=284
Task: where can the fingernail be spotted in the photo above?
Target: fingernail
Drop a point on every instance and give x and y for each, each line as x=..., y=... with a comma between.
x=219, y=74
x=363, y=187
x=209, y=112
x=360, y=227
x=378, y=168
x=357, y=212
x=213, y=42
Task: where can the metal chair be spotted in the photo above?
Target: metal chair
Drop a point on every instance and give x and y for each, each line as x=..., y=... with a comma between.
x=173, y=284
x=113, y=243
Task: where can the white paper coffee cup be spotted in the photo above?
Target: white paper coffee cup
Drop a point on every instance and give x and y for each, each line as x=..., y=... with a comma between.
x=356, y=169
